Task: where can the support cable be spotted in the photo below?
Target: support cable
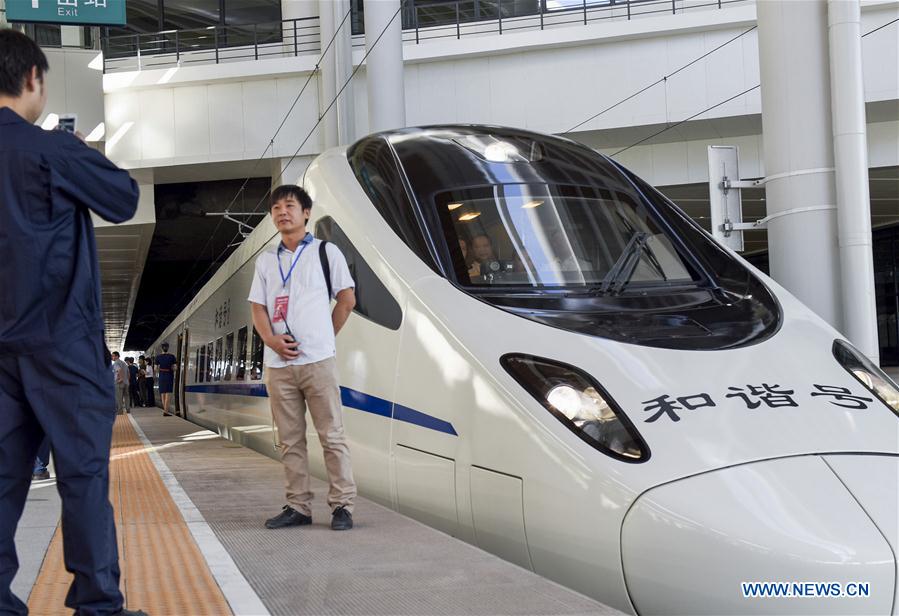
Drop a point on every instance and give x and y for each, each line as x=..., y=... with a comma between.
x=296, y=153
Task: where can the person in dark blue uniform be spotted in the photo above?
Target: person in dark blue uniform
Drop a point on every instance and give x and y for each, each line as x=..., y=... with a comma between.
x=54, y=379
x=165, y=365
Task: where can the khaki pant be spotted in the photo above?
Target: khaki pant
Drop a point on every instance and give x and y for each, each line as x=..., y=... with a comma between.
x=122, y=398
x=291, y=390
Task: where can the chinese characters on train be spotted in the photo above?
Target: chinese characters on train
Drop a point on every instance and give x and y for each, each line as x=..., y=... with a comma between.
x=752, y=397
x=223, y=314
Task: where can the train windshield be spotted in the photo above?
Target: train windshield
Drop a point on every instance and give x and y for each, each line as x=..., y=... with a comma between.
x=551, y=231
x=542, y=235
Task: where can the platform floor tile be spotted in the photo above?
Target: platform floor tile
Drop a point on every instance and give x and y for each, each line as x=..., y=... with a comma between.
x=388, y=564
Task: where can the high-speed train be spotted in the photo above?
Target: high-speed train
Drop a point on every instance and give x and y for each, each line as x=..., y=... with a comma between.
x=553, y=362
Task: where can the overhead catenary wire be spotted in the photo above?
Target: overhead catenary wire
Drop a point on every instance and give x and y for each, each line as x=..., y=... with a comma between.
x=747, y=91
x=271, y=144
x=662, y=79
x=302, y=144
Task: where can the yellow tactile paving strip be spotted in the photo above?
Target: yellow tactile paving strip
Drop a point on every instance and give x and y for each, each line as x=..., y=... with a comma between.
x=163, y=571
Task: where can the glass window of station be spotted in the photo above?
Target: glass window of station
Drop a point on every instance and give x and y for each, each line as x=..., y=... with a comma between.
x=200, y=24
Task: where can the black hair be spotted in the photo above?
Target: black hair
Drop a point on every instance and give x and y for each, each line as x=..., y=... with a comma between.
x=18, y=55
x=292, y=190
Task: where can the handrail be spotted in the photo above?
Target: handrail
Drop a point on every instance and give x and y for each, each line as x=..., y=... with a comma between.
x=422, y=21
x=212, y=44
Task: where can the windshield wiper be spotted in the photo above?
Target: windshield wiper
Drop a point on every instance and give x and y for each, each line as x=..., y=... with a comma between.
x=623, y=269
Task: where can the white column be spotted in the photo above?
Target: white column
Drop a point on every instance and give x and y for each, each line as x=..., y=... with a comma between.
x=850, y=147
x=290, y=171
x=327, y=77
x=343, y=46
x=384, y=66
x=796, y=120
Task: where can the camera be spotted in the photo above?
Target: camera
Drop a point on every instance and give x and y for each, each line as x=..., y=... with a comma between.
x=67, y=122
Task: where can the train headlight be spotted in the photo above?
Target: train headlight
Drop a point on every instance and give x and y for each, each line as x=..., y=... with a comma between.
x=580, y=403
x=869, y=375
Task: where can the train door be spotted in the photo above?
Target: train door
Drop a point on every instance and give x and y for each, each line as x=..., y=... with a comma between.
x=181, y=375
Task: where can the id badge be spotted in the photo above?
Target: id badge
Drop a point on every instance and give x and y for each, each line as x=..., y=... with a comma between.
x=281, y=304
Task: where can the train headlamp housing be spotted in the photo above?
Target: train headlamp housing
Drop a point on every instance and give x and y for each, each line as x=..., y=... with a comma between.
x=863, y=369
x=580, y=403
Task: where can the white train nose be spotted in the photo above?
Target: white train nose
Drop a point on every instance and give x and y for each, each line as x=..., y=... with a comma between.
x=805, y=535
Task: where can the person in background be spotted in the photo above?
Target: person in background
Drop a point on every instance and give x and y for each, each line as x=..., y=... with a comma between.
x=165, y=366
x=50, y=182
x=133, y=386
x=42, y=461
x=121, y=376
x=151, y=380
x=142, y=379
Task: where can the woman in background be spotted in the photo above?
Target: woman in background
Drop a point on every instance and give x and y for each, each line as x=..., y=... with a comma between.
x=165, y=366
x=151, y=380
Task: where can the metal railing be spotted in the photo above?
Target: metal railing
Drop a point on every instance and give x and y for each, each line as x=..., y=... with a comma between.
x=421, y=22
x=213, y=44
x=459, y=18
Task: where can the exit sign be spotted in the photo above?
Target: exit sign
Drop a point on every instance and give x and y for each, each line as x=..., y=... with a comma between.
x=74, y=12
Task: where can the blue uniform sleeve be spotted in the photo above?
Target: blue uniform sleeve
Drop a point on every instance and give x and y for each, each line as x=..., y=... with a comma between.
x=97, y=183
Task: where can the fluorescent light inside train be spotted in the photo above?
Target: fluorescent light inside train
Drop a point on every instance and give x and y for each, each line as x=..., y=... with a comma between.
x=469, y=216
x=531, y=205
x=454, y=206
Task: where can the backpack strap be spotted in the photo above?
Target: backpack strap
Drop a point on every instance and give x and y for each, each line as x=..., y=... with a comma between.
x=326, y=267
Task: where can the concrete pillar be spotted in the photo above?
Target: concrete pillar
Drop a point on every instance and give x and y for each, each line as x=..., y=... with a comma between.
x=799, y=164
x=850, y=145
x=343, y=47
x=290, y=171
x=327, y=76
x=384, y=66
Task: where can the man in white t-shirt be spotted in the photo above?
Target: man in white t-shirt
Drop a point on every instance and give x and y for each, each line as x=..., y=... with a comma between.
x=292, y=312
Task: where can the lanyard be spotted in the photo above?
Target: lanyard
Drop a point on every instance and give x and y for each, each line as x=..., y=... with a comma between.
x=284, y=278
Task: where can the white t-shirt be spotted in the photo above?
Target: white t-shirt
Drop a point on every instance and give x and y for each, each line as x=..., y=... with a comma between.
x=308, y=307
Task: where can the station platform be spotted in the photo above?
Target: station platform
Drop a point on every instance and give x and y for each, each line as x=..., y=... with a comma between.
x=190, y=508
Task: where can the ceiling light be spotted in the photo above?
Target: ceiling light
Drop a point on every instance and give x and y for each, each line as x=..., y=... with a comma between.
x=454, y=206
x=531, y=205
x=469, y=216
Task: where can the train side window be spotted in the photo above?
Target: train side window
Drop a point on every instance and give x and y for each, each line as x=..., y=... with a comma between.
x=373, y=300
x=197, y=368
x=241, y=361
x=229, y=356
x=256, y=365
x=376, y=170
x=217, y=368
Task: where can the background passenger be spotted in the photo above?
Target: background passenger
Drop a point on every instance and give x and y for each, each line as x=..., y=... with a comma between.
x=42, y=461
x=151, y=381
x=133, y=382
x=165, y=366
x=121, y=378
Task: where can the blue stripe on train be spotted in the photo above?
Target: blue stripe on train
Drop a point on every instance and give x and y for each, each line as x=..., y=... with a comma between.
x=348, y=397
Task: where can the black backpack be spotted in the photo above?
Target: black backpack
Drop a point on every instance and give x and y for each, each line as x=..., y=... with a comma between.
x=326, y=267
